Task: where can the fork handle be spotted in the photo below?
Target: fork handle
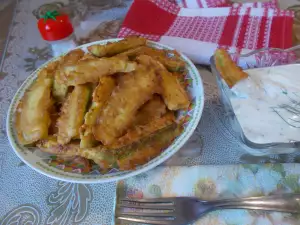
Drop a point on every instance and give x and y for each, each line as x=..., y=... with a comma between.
x=282, y=203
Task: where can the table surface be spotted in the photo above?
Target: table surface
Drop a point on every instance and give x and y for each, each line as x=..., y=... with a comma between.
x=25, y=193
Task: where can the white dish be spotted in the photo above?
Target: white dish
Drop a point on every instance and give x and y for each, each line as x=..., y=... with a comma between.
x=266, y=104
x=39, y=161
x=260, y=58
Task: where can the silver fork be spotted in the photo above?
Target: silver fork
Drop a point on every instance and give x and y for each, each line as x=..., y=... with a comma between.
x=186, y=210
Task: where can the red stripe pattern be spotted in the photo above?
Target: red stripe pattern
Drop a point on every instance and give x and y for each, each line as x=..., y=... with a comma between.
x=184, y=5
x=264, y=28
x=166, y=5
x=217, y=3
x=279, y=24
x=244, y=20
x=124, y=32
x=198, y=28
x=229, y=28
x=152, y=17
x=200, y=5
x=236, y=28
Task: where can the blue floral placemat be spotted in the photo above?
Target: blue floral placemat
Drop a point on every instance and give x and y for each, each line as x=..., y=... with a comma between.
x=219, y=182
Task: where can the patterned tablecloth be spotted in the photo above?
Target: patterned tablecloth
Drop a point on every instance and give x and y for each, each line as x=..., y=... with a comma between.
x=31, y=198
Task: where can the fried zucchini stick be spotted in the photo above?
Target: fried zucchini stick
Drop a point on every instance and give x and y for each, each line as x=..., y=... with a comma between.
x=72, y=114
x=173, y=93
x=143, y=152
x=133, y=90
x=173, y=64
x=54, y=115
x=90, y=70
x=60, y=89
x=229, y=71
x=139, y=132
x=114, y=48
x=49, y=70
x=100, y=96
x=138, y=153
x=32, y=115
x=152, y=109
x=100, y=155
x=105, y=159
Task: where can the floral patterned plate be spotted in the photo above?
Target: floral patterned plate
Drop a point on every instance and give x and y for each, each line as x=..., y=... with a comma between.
x=43, y=162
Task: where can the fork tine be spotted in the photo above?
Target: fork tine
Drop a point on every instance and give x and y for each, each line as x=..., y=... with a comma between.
x=148, y=214
x=145, y=206
x=137, y=220
x=150, y=200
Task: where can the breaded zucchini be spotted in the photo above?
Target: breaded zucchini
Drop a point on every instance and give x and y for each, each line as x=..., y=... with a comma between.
x=137, y=133
x=100, y=96
x=114, y=48
x=72, y=114
x=60, y=88
x=173, y=93
x=173, y=64
x=90, y=70
x=133, y=90
x=32, y=115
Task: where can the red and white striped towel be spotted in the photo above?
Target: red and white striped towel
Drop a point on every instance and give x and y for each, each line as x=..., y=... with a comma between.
x=199, y=32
